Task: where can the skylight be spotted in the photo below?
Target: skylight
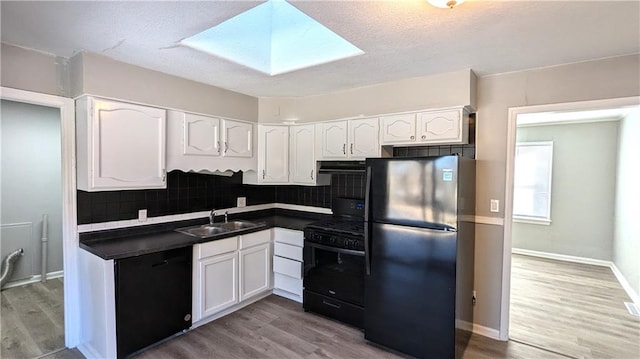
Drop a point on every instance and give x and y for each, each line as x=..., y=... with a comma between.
x=273, y=38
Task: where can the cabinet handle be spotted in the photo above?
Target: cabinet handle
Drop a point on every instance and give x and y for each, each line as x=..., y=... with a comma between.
x=164, y=174
x=263, y=174
x=311, y=174
x=424, y=137
x=352, y=148
x=344, y=148
x=219, y=149
x=412, y=137
x=226, y=146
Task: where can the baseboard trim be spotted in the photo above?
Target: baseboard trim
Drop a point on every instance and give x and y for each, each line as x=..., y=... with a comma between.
x=288, y=295
x=597, y=262
x=34, y=279
x=89, y=351
x=562, y=257
x=230, y=310
x=486, y=332
x=625, y=285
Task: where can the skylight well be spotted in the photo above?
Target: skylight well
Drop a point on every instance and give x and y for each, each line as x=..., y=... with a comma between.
x=273, y=38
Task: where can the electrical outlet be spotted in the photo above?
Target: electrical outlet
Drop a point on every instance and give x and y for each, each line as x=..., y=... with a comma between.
x=142, y=215
x=241, y=202
x=495, y=205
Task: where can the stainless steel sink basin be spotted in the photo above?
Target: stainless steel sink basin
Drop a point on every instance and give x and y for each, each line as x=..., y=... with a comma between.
x=211, y=230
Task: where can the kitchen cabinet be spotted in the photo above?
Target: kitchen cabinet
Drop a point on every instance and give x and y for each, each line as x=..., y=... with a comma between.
x=349, y=139
x=229, y=271
x=273, y=154
x=302, y=157
x=287, y=263
x=120, y=146
x=205, y=143
x=426, y=127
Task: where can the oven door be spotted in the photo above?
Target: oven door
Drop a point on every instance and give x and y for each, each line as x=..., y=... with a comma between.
x=334, y=272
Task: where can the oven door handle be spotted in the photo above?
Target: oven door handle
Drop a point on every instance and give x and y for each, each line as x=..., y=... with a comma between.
x=367, y=246
x=352, y=252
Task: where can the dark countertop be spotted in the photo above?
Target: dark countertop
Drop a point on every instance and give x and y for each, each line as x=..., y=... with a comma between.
x=135, y=241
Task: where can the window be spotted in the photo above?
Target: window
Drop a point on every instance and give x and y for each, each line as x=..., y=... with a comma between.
x=532, y=182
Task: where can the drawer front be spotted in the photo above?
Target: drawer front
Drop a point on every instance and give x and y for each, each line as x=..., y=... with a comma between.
x=217, y=247
x=253, y=239
x=288, y=251
x=286, y=283
x=287, y=267
x=288, y=236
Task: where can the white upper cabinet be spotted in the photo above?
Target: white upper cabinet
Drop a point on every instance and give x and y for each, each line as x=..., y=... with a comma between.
x=363, y=139
x=201, y=135
x=120, y=146
x=237, y=138
x=333, y=139
x=352, y=139
x=205, y=143
x=443, y=126
x=302, y=154
x=426, y=128
x=273, y=154
x=398, y=128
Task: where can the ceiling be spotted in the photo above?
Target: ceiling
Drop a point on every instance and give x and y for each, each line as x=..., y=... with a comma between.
x=401, y=39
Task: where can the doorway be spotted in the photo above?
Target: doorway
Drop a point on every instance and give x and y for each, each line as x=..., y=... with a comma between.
x=31, y=230
x=560, y=257
x=52, y=223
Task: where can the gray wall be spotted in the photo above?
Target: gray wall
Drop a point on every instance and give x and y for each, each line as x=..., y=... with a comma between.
x=442, y=90
x=592, y=80
x=99, y=75
x=31, y=184
x=582, y=191
x=626, y=245
x=34, y=71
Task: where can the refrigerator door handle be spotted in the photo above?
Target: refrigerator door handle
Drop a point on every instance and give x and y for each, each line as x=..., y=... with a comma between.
x=367, y=247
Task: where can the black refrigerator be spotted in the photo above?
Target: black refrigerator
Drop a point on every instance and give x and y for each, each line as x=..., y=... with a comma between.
x=419, y=236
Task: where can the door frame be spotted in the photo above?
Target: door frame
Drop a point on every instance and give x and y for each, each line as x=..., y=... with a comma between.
x=514, y=112
x=69, y=218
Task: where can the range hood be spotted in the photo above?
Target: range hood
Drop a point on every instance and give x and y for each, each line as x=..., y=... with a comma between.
x=342, y=167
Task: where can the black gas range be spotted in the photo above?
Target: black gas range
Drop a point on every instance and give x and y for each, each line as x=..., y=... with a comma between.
x=334, y=264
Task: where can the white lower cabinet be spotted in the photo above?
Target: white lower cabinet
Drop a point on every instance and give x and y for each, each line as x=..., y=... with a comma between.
x=218, y=283
x=229, y=271
x=288, y=263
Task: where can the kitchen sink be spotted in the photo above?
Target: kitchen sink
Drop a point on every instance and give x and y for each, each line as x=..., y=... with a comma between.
x=211, y=230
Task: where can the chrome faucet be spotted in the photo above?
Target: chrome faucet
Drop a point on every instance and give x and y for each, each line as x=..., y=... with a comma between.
x=212, y=215
x=226, y=216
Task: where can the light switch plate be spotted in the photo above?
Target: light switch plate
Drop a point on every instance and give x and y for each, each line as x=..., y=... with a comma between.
x=142, y=215
x=241, y=202
x=495, y=205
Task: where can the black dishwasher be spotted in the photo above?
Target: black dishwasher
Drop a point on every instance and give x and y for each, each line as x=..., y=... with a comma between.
x=153, y=298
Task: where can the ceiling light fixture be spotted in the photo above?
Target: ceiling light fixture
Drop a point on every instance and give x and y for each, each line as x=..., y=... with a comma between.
x=445, y=3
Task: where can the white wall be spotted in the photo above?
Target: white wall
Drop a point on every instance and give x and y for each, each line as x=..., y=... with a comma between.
x=31, y=184
x=582, y=193
x=626, y=245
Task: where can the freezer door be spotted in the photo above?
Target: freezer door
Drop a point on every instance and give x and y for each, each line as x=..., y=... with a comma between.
x=415, y=192
x=410, y=292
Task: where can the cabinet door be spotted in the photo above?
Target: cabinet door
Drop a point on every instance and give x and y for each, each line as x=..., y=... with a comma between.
x=273, y=164
x=237, y=138
x=218, y=283
x=201, y=135
x=441, y=126
x=128, y=146
x=302, y=156
x=255, y=270
x=333, y=137
x=398, y=128
x=363, y=138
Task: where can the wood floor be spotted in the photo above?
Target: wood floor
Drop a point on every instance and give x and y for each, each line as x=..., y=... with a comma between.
x=32, y=320
x=574, y=309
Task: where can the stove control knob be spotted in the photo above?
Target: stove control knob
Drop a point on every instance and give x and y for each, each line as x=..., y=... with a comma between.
x=333, y=239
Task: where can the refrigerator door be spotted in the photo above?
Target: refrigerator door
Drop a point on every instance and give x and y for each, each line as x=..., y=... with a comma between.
x=414, y=192
x=410, y=293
